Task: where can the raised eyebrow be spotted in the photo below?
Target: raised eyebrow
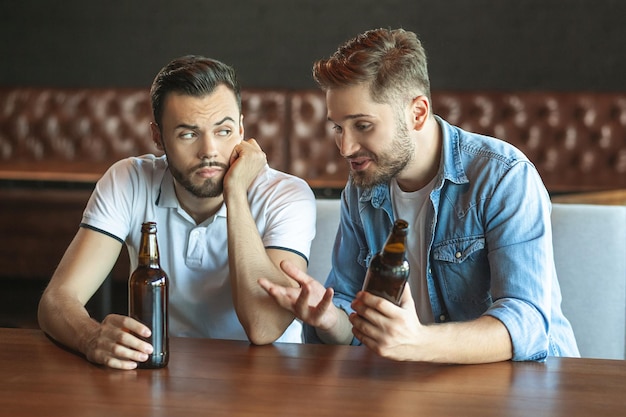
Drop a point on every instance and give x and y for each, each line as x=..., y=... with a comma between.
x=350, y=117
x=196, y=127
x=224, y=120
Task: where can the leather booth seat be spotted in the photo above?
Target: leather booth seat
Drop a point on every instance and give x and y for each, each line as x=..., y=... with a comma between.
x=56, y=142
x=576, y=140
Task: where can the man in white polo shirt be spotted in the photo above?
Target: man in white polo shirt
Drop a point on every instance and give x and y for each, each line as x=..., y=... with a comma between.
x=224, y=219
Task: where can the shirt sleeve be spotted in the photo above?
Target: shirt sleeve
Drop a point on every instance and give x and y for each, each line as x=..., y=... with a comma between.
x=128, y=184
x=290, y=216
x=108, y=207
x=523, y=276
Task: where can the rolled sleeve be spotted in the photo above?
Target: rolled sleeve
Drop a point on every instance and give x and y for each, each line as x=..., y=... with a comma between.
x=527, y=329
x=522, y=268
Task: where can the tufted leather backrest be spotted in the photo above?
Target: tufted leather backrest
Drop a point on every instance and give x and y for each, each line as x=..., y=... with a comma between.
x=576, y=140
x=71, y=131
x=76, y=134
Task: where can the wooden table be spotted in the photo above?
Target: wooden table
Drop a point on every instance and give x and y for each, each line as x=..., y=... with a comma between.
x=611, y=198
x=229, y=378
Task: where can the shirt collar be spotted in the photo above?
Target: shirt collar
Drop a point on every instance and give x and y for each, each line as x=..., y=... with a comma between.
x=451, y=166
x=167, y=195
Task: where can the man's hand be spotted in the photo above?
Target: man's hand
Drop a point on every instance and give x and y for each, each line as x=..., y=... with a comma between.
x=311, y=302
x=389, y=330
x=114, y=344
x=246, y=161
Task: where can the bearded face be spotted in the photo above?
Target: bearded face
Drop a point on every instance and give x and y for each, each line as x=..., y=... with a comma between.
x=209, y=187
x=198, y=135
x=389, y=162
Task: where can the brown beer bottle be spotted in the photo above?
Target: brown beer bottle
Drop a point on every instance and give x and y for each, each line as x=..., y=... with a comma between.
x=148, y=297
x=388, y=271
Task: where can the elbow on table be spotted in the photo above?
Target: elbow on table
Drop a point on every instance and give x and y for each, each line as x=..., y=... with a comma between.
x=265, y=331
x=261, y=337
x=43, y=311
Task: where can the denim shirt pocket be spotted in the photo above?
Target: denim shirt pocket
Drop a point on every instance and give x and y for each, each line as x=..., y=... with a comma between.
x=463, y=269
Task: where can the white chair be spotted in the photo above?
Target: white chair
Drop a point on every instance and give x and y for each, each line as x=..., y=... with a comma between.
x=326, y=229
x=590, y=256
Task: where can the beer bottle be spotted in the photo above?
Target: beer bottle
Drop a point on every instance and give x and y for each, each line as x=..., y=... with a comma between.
x=388, y=270
x=148, y=297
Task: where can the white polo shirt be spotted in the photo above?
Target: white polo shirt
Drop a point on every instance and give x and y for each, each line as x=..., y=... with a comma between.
x=195, y=256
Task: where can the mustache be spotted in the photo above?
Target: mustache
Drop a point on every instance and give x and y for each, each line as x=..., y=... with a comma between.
x=361, y=154
x=208, y=164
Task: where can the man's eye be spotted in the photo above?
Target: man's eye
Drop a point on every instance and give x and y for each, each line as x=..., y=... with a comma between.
x=187, y=135
x=337, y=129
x=363, y=126
x=224, y=132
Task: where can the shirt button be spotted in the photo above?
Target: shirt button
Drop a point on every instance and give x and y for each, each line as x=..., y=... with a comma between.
x=457, y=255
x=442, y=317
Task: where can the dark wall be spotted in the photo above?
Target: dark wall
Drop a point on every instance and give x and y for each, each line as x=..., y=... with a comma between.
x=472, y=44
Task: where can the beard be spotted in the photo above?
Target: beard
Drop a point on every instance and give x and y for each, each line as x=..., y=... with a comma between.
x=389, y=163
x=211, y=187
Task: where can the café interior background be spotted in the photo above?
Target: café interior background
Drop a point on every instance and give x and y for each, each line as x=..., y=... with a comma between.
x=477, y=45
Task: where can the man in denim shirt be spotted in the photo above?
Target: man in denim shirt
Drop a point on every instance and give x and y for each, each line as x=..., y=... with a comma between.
x=483, y=285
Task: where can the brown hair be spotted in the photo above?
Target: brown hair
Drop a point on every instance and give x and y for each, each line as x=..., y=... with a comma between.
x=192, y=75
x=392, y=62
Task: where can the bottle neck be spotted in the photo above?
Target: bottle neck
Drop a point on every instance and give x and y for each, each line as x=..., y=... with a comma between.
x=149, y=251
x=394, y=251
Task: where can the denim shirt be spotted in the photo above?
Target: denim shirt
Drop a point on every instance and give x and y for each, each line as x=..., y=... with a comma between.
x=489, y=244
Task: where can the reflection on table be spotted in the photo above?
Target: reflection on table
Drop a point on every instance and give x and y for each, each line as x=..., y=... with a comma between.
x=233, y=378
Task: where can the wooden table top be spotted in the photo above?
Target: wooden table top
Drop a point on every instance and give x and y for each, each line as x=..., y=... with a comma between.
x=611, y=198
x=231, y=378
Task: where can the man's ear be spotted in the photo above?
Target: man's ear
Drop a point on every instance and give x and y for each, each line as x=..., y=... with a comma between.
x=420, y=111
x=156, y=136
x=241, y=130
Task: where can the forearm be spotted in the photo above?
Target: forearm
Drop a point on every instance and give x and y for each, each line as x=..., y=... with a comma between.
x=66, y=320
x=482, y=340
x=340, y=333
x=262, y=318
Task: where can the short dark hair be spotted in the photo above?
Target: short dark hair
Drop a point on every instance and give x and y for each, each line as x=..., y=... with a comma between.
x=392, y=62
x=191, y=75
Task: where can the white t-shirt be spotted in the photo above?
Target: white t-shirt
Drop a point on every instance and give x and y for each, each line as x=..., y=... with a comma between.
x=414, y=208
x=195, y=256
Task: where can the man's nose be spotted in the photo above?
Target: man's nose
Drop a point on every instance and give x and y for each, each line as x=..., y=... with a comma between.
x=207, y=148
x=347, y=144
